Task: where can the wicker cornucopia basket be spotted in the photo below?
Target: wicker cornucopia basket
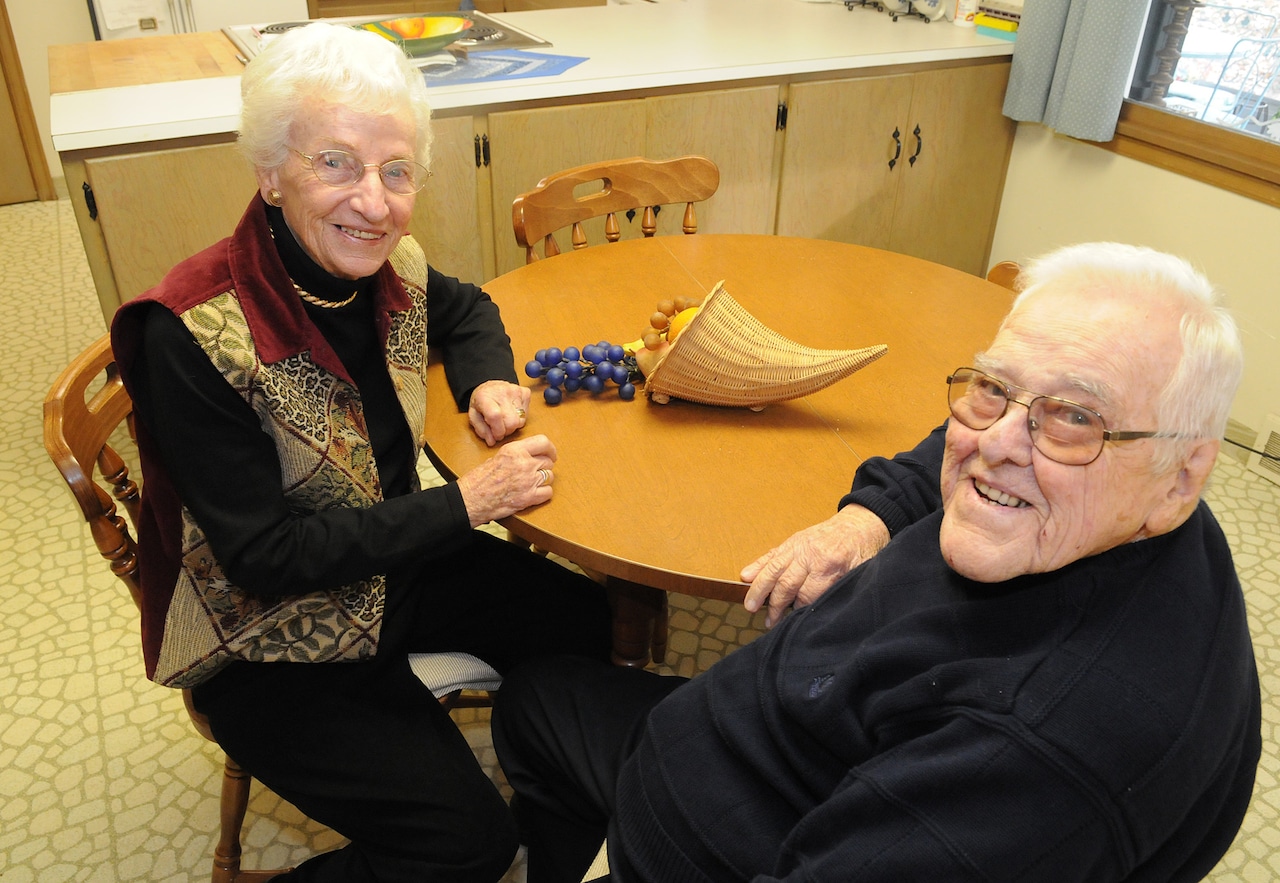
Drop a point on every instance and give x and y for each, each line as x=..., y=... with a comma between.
x=726, y=356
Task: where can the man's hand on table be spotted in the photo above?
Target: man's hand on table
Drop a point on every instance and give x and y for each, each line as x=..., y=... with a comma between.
x=797, y=572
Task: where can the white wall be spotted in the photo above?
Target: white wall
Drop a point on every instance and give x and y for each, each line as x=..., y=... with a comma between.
x=37, y=25
x=1061, y=191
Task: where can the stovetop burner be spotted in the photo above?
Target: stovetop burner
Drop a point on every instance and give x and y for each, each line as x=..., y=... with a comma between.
x=479, y=33
x=281, y=27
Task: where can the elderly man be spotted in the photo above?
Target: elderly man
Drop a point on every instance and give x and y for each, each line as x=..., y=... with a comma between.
x=1045, y=675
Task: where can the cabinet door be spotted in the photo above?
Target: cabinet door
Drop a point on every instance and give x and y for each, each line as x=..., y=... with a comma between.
x=528, y=145
x=446, y=218
x=735, y=129
x=157, y=208
x=836, y=179
x=950, y=196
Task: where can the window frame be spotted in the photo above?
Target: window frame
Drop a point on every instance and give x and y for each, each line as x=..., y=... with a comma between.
x=1232, y=160
x=1240, y=163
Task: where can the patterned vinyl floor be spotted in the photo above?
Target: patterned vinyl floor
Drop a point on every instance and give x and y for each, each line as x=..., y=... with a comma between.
x=103, y=779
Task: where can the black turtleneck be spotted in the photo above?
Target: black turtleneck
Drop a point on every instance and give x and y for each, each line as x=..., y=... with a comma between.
x=350, y=330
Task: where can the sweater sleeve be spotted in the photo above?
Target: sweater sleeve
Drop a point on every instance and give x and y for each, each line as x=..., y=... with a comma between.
x=463, y=324
x=227, y=474
x=902, y=490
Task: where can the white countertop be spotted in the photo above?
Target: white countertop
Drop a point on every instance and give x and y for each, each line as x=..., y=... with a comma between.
x=633, y=47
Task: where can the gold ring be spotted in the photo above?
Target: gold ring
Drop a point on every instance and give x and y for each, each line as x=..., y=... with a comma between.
x=520, y=412
x=544, y=477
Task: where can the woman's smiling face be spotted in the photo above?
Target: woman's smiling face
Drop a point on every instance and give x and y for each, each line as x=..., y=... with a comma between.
x=1010, y=510
x=349, y=231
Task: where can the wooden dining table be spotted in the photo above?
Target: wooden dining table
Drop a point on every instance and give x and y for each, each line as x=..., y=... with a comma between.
x=678, y=497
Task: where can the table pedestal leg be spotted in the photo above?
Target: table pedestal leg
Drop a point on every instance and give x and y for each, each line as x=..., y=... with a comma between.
x=639, y=623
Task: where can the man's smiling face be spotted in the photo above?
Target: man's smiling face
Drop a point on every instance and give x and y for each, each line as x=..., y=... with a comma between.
x=1010, y=510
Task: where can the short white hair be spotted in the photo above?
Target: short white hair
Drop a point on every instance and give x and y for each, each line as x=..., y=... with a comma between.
x=1196, y=401
x=335, y=64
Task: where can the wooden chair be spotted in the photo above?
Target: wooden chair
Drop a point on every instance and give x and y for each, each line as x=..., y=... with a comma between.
x=1005, y=274
x=626, y=185
x=86, y=405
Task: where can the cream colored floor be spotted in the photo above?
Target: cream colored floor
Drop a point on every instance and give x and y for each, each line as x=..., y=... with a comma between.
x=102, y=778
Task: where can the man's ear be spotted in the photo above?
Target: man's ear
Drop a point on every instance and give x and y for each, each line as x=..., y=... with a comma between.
x=1185, y=486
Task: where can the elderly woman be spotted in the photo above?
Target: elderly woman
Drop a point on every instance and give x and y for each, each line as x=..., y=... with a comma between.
x=291, y=560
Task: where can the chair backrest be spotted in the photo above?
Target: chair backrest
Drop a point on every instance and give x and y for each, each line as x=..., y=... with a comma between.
x=1005, y=274
x=626, y=185
x=84, y=408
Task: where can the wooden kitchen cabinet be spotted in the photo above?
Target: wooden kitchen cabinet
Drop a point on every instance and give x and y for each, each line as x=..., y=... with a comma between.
x=153, y=209
x=734, y=127
x=737, y=129
x=448, y=220
x=910, y=162
x=527, y=145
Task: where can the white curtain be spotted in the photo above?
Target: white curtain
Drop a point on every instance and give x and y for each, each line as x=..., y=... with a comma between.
x=1072, y=62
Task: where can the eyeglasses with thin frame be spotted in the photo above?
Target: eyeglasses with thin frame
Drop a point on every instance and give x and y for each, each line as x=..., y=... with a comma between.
x=338, y=168
x=1064, y=431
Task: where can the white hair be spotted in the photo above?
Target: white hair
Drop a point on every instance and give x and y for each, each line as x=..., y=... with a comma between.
x=335, y=64
x=1196, y=401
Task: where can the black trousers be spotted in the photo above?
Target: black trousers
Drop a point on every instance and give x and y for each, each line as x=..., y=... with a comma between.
x=562, y=728
x=365, y=749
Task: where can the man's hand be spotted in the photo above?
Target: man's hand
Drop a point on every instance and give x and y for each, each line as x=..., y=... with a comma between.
x=497, y=409
x=810, y=561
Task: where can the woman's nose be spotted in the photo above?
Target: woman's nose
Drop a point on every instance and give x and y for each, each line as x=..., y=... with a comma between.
x=370, y=196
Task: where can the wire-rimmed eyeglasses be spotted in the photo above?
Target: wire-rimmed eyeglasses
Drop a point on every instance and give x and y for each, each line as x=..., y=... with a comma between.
x=1064, y=431
x=338, y=168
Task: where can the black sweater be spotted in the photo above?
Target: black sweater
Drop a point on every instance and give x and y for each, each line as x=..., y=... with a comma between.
x=1097, y=723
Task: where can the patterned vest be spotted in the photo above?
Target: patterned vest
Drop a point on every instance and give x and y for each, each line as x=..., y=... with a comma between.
x=326, y=460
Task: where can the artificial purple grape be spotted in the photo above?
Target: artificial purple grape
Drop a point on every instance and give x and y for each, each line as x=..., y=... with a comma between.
x=573, y=369
x=572, y=384
x=627, y=392
x=555, y=376
x=616, y=353
x=571, y=353
x=552, y=395
x=533, y=369
x=553, y=356
x=593, y=383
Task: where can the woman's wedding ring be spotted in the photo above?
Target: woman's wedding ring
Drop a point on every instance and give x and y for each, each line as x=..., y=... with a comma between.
x=544, y=477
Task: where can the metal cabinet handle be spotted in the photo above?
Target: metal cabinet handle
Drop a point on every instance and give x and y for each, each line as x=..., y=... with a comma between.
x=919, y=144
x=897, y=150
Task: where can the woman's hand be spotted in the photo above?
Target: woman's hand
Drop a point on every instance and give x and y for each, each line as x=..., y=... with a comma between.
x=516, y=477
x=810, y=561
x=497, y=409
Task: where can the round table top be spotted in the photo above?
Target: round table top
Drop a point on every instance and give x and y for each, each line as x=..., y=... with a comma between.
x=681, y=496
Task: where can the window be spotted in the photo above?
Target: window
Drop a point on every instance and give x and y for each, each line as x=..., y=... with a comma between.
x=1205, y=99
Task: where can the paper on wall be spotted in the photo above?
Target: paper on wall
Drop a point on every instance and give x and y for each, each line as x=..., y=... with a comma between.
x=120, y=14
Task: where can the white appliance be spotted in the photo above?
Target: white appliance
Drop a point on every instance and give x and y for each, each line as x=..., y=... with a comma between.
x=114, y=19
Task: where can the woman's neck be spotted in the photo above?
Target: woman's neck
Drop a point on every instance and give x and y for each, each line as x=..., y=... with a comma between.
x=303, y=269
